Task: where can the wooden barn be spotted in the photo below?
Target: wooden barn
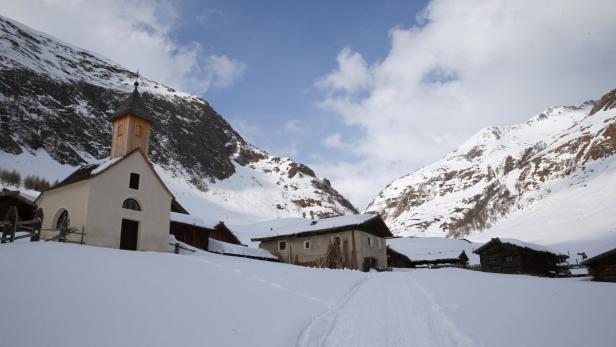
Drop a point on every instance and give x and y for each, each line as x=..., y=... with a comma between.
x=430, y=252
x=397, y=259
x=602, y=267
x=517, y=257
x=26, y=208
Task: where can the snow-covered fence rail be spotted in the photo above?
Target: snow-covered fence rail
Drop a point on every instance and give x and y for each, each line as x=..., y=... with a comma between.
x=14, y=229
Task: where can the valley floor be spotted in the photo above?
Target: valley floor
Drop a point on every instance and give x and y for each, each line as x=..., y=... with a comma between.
x=59, y=294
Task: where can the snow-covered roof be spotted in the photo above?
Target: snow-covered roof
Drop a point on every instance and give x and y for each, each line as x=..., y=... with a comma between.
x=217, y=246
x=293, y=226
x=192, y=220
x=519, y=243
x=433, y=248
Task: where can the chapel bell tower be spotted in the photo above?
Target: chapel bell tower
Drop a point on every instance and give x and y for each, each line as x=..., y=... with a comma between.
x=131, y=126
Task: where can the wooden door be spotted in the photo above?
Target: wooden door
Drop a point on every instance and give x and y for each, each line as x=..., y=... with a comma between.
x=130, y=231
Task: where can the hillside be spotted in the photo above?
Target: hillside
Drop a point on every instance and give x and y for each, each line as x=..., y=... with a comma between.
x=55, y=110
x=562, y=159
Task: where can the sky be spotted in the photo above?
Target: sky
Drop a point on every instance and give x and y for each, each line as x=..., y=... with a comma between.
x=362, y=91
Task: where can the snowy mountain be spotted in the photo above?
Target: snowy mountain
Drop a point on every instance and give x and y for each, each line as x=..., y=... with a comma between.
x=562, y=160
x=55, y=110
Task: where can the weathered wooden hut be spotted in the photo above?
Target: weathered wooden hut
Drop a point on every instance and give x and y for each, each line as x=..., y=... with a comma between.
x=397, y=259
x=26, y=208
x=602, y=266
x=430, y=252
x=518, y=257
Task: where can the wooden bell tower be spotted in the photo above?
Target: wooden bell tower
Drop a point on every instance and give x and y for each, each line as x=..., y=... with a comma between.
x=131, y=126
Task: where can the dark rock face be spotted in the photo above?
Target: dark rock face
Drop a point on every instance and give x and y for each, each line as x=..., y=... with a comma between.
x=66, y=118
x=608, y=101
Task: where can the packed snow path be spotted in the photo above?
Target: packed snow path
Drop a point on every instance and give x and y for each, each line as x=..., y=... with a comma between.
x=389, y=309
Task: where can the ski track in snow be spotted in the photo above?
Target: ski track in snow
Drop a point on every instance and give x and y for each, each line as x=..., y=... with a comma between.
x=396, y=312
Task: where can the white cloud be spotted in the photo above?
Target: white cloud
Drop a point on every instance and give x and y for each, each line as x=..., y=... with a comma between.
x=352, y=74
x=137, y=34
x=469, y=65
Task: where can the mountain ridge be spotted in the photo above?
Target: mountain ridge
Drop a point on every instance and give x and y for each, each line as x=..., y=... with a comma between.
x=501, y=170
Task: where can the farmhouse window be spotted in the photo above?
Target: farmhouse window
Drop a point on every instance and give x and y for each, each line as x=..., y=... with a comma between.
x=134, y=181
x=370, y=243
x=508, y=259
x=307, y=244
x=131, y=204
x=282, y=245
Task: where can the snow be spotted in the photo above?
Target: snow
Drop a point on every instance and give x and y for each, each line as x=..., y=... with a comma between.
x=229, y=248
x=432, y=248
x=123, y=298
x=287, y=226
x=192, y=220
x=102, y=165
x=529, y=245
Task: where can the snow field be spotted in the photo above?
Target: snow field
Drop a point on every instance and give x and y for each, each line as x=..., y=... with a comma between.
x=57, y=294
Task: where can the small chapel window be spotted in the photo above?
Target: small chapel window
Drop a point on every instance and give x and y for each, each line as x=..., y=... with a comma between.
x=131, y=204
x=134, y=181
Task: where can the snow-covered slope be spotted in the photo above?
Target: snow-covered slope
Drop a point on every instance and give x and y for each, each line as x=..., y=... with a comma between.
x=57, y=294
x=56, y=101
x=546, y=180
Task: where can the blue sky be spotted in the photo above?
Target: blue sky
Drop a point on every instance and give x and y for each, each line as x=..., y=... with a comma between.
x=362, y=91
x=287, y=46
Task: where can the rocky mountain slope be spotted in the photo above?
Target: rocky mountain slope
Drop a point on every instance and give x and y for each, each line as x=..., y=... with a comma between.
x=558, y=160
x=55, y=109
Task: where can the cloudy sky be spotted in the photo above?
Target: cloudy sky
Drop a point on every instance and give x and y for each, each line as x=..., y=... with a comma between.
x=362, y=91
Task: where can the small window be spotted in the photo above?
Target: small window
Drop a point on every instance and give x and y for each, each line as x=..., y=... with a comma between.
x=282, y=245
x=337, y=240
x=508, y=259
x=370, y=243
x=131, y=204
x=134, y=181
x=120, y=129
x=306, y=244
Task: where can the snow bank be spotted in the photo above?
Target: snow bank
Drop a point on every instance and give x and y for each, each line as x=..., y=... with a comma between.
x=228, y=248
x=120, y=298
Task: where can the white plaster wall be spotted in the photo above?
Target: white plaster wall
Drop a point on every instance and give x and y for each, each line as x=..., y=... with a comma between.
x=74, y=198
x=105, y=212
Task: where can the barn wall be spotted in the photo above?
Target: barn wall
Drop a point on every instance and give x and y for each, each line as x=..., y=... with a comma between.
x=604, y=270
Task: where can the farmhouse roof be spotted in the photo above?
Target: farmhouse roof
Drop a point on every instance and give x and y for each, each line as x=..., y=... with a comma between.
x=600, y=256
x=514, y=242
x=300, y=227
x=92, y=170
x=16, y=194
x=434, y=248
x=134, y=105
